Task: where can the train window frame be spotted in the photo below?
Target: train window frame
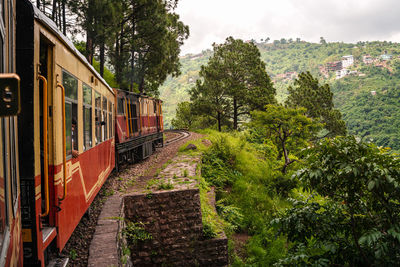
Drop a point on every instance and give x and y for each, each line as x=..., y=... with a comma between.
x=14, y=173
x=97, y=117
x=74, y=110
x=3, y=235
x=120, y=106
x=109, y=119
x=87, y=107
x=2, y=40
x=104, y=125
x=113, y=120
x=11, y=36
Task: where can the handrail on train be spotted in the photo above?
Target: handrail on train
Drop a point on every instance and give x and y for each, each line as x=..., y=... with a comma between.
x=162, y=119
x=140, y=116
x=59, y=85
x=130, y=117
x=126, y=116
x=45, y=159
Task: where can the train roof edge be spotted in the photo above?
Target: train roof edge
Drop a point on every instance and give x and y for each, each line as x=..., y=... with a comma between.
x=136, y=94
x=53, y=28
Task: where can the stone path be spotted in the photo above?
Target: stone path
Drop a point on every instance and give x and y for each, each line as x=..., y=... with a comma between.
x=103, y=248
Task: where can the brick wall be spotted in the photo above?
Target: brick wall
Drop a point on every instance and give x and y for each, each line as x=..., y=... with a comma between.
x=173, y=218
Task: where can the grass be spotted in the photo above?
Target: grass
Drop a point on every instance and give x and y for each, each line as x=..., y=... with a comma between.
x=165, y=186
x=213, y=225
x=152, y=183
x=246, y=198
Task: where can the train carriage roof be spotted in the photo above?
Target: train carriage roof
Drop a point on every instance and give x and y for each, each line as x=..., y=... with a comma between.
x=46, y=21
x=124, y=93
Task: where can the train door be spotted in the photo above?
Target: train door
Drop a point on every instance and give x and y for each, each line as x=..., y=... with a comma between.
x=46, y=88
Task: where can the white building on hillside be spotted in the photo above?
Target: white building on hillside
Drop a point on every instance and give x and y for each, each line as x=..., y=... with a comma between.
x=342, y=73
x=347, y=61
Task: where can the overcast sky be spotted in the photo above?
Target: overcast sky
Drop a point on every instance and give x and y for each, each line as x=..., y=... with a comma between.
x=336, y=20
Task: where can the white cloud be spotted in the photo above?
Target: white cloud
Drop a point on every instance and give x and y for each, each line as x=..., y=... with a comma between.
x=346, y=20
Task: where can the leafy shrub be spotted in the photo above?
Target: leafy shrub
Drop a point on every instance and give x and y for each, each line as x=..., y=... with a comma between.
x=358, y=223
x=231, y=214
x=135, y=232
x=282, y=184
x=208, y=231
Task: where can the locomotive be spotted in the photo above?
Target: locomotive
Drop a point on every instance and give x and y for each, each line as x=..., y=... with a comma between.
x=72, y=130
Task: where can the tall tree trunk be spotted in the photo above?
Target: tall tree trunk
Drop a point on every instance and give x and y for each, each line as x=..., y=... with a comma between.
x=59, y=16
x=119, y=63
x=235, y=114
x=90, y=32
x=140, y=73
x=64, y=25
x=102, y=49
x=54, y=11
x=117, y=59
x=219, y=120
x=132, y=50
x=132, y=56
x=89, y=47
x=141, y=84
x=285, y=154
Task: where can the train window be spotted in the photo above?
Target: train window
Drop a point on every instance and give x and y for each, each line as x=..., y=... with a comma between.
x=13, y=166
x=113, y=123
x=3, y=182
x=11, y=36
x=104, y=119
x=98, y=117
x=120, y=106
x=109, y=120
x=87, y=117
x=70, y=84
x=1, y=51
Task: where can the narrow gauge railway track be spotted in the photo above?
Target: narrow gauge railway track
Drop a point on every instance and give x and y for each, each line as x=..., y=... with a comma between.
x=177, y=136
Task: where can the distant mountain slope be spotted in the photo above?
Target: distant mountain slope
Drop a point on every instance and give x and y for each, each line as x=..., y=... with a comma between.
x=368, y=96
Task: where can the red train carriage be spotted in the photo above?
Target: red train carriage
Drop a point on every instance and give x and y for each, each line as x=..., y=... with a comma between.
x=139, y=126
x=10, y=205
x=66, y=137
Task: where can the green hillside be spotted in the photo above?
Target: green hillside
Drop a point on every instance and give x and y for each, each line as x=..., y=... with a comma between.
x=368, y=98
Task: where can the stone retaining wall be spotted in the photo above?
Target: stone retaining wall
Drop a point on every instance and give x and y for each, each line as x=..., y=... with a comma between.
x=173, y=218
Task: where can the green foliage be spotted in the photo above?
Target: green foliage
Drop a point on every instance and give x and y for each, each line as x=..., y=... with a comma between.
x=288, y=128
x=187, y=118
x=108, y=75
x=318, y=102
x=73, y=254
x=143, y=39
x=231, y=214
x=233, y=83
x=135, y=232
x=165, y=186
x=246, y=197
x=218, y=162
x=213, y=225
x=358, y=221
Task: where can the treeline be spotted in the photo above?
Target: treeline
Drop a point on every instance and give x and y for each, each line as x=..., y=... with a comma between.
x=138, y=39
x=234, y=83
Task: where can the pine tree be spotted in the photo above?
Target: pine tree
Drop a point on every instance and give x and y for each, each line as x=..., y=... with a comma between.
x=318, y=101
x=238, y=74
